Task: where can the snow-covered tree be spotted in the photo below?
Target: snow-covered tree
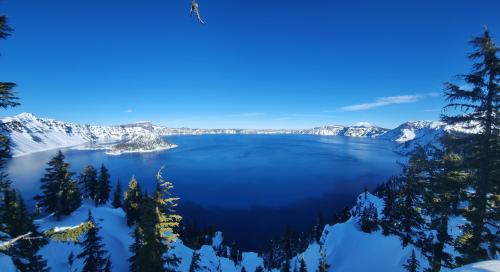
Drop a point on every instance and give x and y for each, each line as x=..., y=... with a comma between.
x=93, y=254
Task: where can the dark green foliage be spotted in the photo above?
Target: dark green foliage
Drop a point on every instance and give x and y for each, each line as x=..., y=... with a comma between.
x=155, y=229
x=88, y=182
x=194, y=237
x=412, y=264
x=93, y=254
x=16, y=222
x=117, y=196
x=5, y=29
x=259, y=269
x=318, y=228
x=132, y=202
x=478, y=107
x=303, y=266
x=108, y=266
x=195, y=262
x=322, y=266
x=71, y=261
x=104, y=186
x=7, y=96
x=60, y=194
x=368, y=220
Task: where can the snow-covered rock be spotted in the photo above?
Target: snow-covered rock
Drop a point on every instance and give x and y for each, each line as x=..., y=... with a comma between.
x=29, y=134
x=486, y=266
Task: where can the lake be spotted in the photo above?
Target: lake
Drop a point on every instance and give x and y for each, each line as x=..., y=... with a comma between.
x=252, y=184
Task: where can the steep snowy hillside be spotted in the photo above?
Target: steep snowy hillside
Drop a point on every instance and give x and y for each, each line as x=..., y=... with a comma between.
x=29, y=134
x=346, y=247
x=116, y=237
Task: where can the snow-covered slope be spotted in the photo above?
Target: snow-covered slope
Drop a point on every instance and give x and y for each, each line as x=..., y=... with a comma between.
x=358, y=130
x=29, y=134
x=116, y=237
x=347, y=248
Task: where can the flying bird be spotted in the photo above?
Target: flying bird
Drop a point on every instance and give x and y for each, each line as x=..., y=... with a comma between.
x=195, y=10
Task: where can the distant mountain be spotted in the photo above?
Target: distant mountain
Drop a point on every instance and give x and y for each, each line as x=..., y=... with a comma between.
x=29, y=134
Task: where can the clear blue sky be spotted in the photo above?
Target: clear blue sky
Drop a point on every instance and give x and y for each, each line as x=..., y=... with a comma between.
x=255, y=64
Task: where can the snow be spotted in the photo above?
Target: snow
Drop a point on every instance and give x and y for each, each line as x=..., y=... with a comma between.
x=30, y=134
x=6, y=263
x=116, y=237
x=347, y=248
x=486, y=266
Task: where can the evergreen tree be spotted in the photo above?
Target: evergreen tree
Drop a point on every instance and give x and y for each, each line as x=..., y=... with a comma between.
x=303, y=266
x=243, y=269
x=259, y=269
x=104, y=186
x=478, y=108
x=369, y=219
x=132, y=201
x=285, y=267
x=93, y=254
x=16, y=222
x=117, y=196
x=60, y=194
x=155, y=229
x=412, y=264
x=108, y=266
x=409, y=221
x=71, y=261
x=323, y=266
x=317, y=230
x=195, y=262
x=88, y=182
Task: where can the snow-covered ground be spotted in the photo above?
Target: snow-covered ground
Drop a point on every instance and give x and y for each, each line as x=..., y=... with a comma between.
x=347, y=248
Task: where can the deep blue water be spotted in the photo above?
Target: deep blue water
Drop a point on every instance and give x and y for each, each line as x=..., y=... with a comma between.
x=271, y=174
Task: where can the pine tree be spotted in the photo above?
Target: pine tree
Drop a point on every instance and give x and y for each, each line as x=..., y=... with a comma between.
x=16, y=222
x=408, y=215
x=93, y=254
x=155, y=229
x=117, y=196
x=323, y=266
x=195, y=262
x=303, y=266
x=478, y=108
x=132, y=201
x=108, y=266
x=412, y=264
x=104, y=186
x=88, y=182
x=369, y=219
x=60, y=194
x=71, y=261
x=442, y=180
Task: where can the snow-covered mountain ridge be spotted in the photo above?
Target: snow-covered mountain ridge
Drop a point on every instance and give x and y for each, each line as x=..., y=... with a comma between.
x=29, y=133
